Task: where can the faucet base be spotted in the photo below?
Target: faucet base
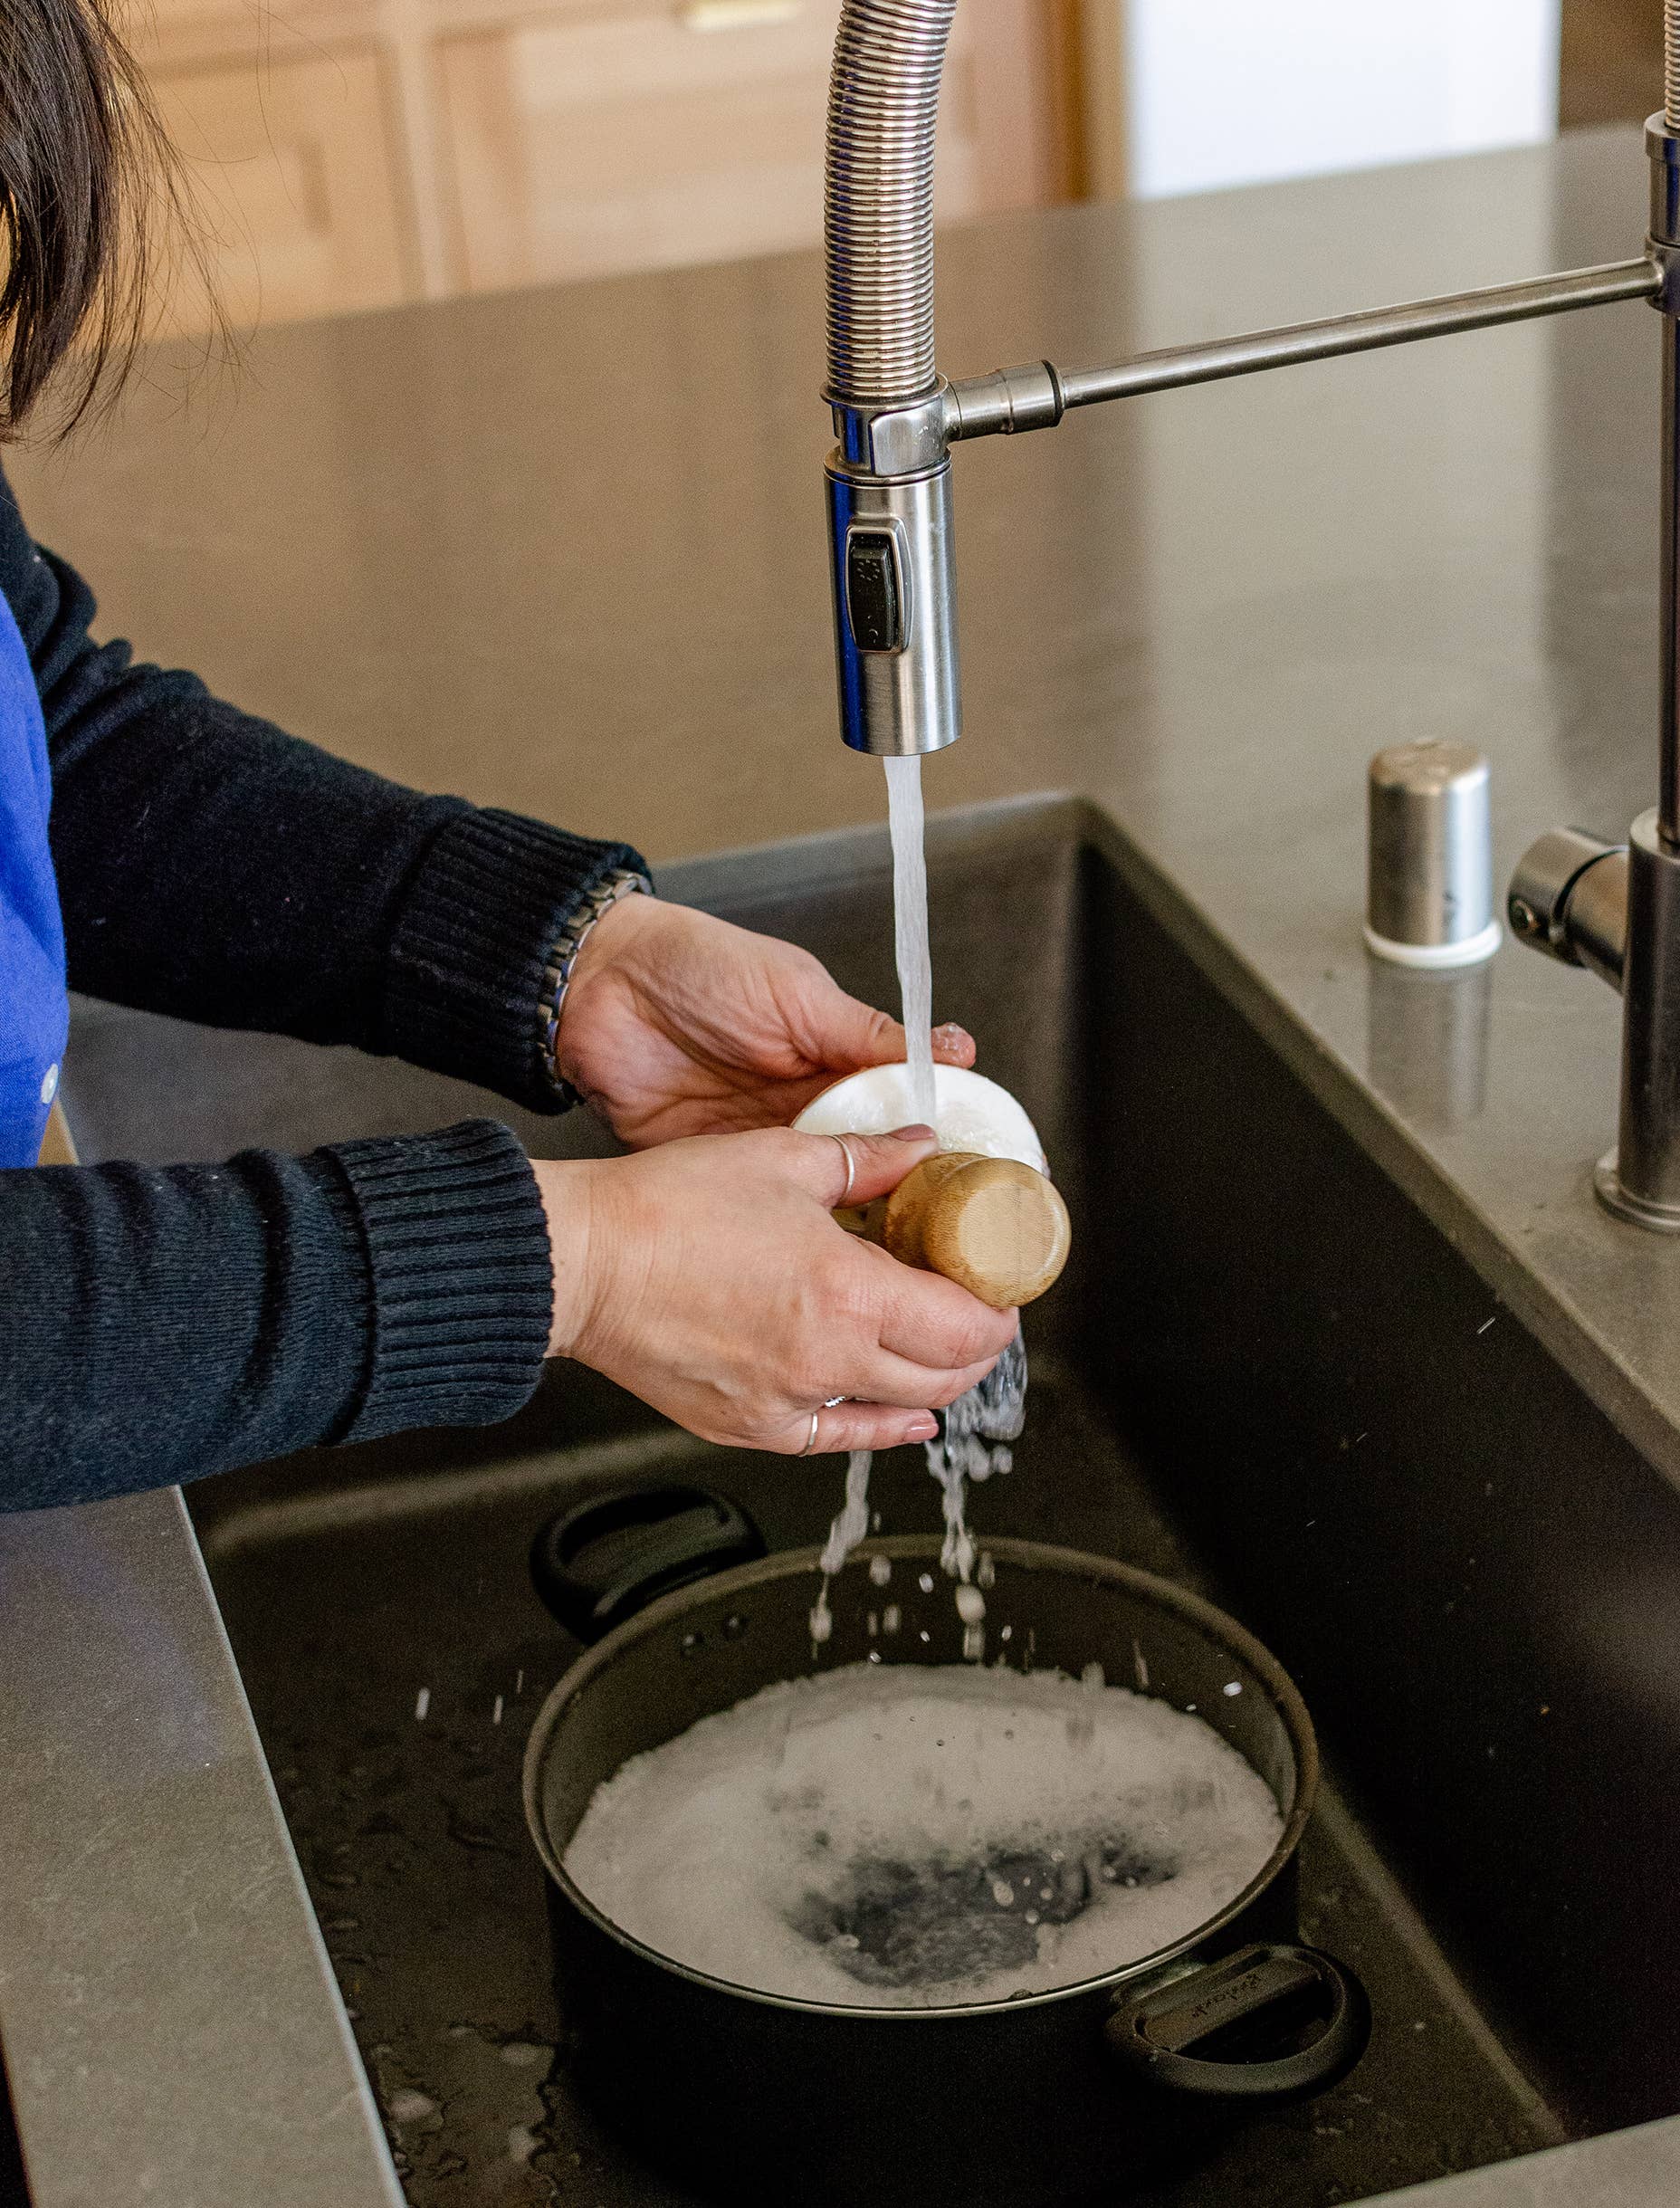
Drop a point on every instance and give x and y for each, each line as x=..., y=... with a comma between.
x=1637, y=1210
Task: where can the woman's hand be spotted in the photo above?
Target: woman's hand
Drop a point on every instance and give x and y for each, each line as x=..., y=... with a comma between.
x=708, y=1278
x=675, y=1023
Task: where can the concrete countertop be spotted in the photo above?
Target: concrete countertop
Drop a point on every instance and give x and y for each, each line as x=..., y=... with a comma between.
x=562, y=550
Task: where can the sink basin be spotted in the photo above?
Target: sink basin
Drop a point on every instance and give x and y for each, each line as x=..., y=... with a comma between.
x=1265, y=1374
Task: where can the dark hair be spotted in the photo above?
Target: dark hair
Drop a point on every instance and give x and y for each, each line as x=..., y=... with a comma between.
x=91, y=190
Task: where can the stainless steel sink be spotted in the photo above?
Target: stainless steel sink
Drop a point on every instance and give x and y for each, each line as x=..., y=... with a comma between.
x=1265, y=1373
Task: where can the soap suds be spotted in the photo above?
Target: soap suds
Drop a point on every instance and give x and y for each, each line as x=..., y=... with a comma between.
x=914, y=1836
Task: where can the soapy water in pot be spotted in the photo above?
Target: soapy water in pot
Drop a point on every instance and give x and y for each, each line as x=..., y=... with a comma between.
x=916, y=1836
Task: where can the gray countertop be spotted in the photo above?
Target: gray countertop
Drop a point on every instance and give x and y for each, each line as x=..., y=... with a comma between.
x=518, y=547
x=171, y=2028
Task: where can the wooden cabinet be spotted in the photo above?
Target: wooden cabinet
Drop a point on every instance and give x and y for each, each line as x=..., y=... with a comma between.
x=693, y=133
x=686, y=134
x=296, y=173
x=363, y=151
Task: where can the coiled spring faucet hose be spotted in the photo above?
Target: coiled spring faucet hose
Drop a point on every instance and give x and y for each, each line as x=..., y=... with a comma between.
x=878, y=227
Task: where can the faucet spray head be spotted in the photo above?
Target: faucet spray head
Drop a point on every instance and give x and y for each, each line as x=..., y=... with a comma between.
x=895, y=626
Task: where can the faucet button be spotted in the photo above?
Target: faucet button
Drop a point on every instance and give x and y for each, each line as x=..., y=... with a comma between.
x=874, y=596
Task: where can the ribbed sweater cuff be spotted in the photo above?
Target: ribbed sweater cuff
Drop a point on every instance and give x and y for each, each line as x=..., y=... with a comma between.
x=488, y=902
x=458, y=1280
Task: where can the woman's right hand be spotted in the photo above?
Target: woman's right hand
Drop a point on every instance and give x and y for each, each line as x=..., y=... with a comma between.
x=709, y=1277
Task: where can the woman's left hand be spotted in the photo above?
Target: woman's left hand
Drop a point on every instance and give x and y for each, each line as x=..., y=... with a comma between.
x=675, y=1023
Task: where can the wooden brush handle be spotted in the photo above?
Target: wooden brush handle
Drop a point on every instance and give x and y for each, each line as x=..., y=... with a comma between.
x=996, y=1227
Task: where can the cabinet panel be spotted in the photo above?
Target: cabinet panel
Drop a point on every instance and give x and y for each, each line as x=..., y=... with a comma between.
x=583, y=146
x=298, y=170
x=171, y=34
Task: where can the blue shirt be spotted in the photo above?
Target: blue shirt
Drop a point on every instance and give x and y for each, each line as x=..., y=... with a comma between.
x=34, y=1009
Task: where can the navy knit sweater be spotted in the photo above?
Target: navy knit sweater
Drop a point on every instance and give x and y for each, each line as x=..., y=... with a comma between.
x=160, y=1323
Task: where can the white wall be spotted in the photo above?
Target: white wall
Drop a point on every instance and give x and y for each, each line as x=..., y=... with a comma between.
x=1233, y=91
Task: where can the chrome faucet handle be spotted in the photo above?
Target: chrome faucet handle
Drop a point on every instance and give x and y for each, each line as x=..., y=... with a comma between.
x=1568, y=898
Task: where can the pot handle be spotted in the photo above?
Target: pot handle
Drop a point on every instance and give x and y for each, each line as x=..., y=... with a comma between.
x=602, y=1561
x=1151, y=2034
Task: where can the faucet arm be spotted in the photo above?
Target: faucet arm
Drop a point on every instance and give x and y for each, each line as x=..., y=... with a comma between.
x=1037, y=395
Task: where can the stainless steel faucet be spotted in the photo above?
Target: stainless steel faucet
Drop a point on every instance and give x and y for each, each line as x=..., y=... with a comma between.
x=1613, y=908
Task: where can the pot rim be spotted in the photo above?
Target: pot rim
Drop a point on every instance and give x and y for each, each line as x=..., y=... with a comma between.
x=1029, y=1555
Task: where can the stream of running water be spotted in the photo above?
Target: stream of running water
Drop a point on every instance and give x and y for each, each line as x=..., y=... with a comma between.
x=910, y=929
x=979, y=1426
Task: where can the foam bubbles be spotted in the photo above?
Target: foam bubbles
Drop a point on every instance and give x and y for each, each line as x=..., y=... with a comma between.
x=852, y=1837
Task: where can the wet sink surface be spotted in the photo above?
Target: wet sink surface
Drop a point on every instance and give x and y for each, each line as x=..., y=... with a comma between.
x=1265, y=1376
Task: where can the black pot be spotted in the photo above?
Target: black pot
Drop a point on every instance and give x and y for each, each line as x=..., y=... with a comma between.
x=1039, y=2098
